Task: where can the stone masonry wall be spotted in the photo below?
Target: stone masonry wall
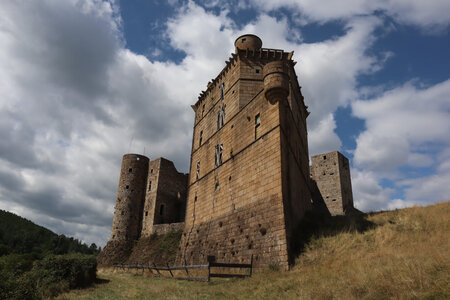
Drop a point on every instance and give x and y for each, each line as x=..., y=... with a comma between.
x=166, y=195
x=331, y=173
x=130, y=198
x=160, y=229
x=237, y=209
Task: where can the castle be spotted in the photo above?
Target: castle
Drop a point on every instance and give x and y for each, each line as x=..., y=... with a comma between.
x=249, y=183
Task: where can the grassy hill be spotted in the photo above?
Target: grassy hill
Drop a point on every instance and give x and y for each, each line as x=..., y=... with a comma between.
x=21, y=236
x=402, y=254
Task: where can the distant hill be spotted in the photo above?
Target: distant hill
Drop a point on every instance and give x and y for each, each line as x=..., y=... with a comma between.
x=21, y=236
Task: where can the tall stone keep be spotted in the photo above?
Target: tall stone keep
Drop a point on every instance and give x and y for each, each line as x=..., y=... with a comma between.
x=249, y=183
x=130, y=198
x=331, y=174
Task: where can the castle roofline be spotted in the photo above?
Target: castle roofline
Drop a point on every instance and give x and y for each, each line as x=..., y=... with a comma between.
x=268, y=54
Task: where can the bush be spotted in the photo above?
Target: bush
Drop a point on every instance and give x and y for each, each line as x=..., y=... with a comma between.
x=57, y=273
x=47, y=278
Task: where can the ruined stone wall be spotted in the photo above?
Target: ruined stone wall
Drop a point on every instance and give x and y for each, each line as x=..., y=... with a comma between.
x=346, y=183
x=130, y=198
x=160, y=229
x=150, y=198
x=170, y=202
x=165, y=200
x=331, y=172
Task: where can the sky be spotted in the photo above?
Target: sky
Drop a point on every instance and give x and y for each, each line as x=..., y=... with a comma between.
x=83, y=82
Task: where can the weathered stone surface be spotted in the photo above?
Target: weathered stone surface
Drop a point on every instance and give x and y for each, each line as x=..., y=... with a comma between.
x=250, y=183
x=331, y=173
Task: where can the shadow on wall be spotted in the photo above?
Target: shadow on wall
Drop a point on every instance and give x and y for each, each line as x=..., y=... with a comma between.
x=316, y=225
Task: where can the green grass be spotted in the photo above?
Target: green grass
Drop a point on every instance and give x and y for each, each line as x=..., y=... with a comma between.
x=404, y=254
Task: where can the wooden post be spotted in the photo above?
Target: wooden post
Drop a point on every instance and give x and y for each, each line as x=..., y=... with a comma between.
x=170, y=271
x=209, y=271
x=251, y=265
x=156, y=269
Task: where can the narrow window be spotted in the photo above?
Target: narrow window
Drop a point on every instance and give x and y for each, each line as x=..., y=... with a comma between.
x=221, y=117
x=149, y=186
x=201, y=138
x=257, y=126
x=203, y=109
x=146, y=213
x=127, y=187
x=197, y=175
x=151, y=171
x=130, y=170
x=324, y=157
x=161, y=210
x=218, y=155
x=217, y=186
x=222, y=90
x=243, y=40
x=122, y=213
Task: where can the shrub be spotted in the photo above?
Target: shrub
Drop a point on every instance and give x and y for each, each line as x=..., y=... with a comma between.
x=20, y=278
x=57, y=273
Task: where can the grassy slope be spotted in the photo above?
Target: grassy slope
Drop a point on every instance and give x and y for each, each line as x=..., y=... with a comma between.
x=405, y=255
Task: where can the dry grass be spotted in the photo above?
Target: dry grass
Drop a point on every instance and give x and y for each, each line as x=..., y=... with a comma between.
x=404, y=255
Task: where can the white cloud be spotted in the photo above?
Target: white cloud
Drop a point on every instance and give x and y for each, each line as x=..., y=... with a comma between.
x=369, y=195
x=416, y=12
x=322, y=138
x=73, y=100
x=399, y=121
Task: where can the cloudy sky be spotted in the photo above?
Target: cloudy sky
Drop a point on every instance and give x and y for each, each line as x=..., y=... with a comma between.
x=84, y=81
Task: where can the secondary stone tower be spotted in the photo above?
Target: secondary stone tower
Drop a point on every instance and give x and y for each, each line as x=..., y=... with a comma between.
x=130, y=198
x=331, y=174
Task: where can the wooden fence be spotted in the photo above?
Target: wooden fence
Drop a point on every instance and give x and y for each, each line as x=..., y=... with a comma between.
x=154, y=269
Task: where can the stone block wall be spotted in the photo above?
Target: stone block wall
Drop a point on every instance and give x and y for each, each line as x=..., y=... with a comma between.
x=331, y=173
x=130, y=198
x=243, y=207
x=165, y=200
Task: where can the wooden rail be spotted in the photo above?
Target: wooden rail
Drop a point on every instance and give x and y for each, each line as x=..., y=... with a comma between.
x=207, y=267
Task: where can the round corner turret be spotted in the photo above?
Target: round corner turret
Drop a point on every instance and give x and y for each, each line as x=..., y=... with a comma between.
x=276, y=81
x=248, y=41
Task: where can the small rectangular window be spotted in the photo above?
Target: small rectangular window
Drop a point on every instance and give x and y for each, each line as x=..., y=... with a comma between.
x=197, y=175
x=324, y=157
x=218, y=155
x=146, y=213
x=161, y=210
x=151, y=171
x=127, y=187
x=150, y=186
x=257, y=126
x=203, y=109
x=221, y=117
x=201, y=138
x=130, y=170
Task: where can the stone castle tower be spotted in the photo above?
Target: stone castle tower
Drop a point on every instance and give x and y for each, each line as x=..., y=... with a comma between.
x=250, y=183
